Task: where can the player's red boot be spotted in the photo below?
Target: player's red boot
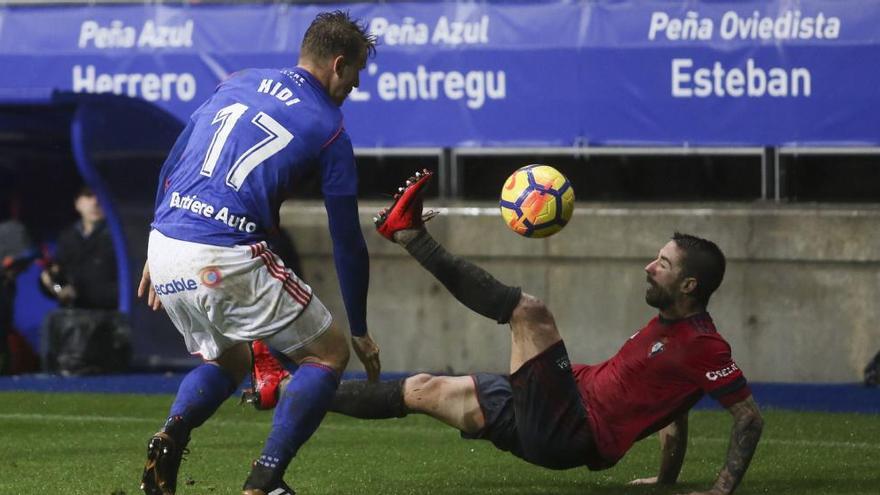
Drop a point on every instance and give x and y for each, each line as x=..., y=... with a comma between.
x=266, y=377
x=406, y=210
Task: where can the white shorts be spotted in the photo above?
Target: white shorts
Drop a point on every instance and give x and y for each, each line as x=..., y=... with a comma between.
x=220, y=296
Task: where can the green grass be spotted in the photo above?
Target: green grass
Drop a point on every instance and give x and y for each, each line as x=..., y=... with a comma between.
x=95, y=444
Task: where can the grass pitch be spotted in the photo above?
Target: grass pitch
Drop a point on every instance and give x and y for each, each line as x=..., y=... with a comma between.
x=95, y=444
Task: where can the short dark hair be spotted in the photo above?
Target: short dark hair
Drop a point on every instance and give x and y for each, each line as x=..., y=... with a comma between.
x=336, y=33
x=84, y=190
x=702, y=260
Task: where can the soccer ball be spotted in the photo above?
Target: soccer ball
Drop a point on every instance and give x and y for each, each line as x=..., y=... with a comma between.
x=537, y=201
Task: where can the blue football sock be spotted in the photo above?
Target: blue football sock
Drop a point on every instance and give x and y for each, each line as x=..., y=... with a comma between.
x=298, y=414
x=200, y=394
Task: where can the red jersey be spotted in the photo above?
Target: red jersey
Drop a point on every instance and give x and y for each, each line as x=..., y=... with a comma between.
x=659, y=373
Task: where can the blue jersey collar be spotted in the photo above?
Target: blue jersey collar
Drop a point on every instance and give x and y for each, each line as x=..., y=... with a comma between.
x=308, y=76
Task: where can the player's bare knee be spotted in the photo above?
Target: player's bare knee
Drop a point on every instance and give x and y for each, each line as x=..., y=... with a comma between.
x=332, y=356
x=338, y=358
x=417, y=380
x=440, y=388
x=332, y=349
x=416, y=384
x=531, y=311
x=420, y=391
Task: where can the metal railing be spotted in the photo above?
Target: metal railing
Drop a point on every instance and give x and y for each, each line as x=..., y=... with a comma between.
x=449, y=160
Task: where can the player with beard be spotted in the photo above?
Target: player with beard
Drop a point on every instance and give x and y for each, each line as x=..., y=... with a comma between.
x=557, y=415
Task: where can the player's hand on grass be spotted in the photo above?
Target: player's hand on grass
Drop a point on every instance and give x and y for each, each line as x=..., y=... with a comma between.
x=146, y=288
x=367, y=352
x=644, y=481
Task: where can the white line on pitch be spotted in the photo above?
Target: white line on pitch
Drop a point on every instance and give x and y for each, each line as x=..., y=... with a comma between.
x=263, y=423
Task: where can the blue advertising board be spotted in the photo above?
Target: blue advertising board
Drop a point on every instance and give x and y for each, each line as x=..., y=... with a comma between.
x=659, y=72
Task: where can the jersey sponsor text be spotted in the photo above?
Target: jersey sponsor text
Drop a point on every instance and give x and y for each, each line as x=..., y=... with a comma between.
x=723, y=372
x=199, y=207
x=175, y=286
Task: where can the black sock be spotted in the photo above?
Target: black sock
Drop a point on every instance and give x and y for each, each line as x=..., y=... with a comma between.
x=178, y=430
x=361, y=399
x=470, y=284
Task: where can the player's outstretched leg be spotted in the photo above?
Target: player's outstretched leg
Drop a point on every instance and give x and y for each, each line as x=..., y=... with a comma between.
x=365, y=400
x=532, y=326
x=450, y=399
x=200, y=394
x=470, y=284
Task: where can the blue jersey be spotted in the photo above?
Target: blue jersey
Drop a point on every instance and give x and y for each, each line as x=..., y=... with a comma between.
x=244, y=148
x=235, y=162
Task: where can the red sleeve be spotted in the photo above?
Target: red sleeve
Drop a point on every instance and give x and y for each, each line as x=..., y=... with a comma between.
x=712, y=368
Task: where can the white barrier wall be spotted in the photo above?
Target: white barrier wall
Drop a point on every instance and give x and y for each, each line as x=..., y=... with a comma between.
x=798, y=303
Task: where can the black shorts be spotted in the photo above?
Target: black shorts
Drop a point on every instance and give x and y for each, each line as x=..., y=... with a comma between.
x=537, y=414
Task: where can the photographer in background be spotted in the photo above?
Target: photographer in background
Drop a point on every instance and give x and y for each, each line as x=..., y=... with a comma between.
x=83, y=272
x=87, y=335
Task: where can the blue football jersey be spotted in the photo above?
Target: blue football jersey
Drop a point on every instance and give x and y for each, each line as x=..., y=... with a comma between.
x=242, y=150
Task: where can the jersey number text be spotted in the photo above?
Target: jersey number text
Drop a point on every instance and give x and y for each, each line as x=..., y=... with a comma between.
x=277, y=137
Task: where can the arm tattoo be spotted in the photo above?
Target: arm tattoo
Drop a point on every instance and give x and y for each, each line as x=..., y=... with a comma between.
x=744, y=436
